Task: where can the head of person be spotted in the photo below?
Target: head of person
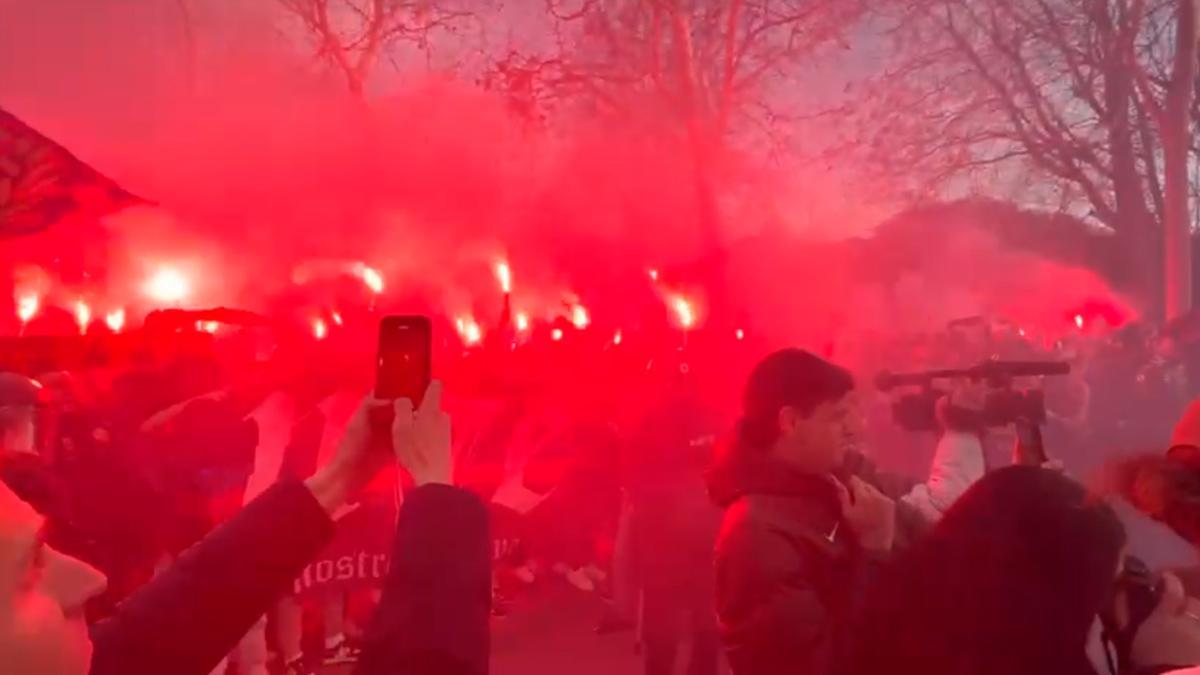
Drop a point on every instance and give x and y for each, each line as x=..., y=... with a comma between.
x=19, y=399
x=42, y=597
x=1010, y=580
x=801, y=410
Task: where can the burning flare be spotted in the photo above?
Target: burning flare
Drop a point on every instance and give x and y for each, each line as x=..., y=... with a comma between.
x=579, y=317
x=371, y=277
x=115, y=320
x=469, y=330
x=27, y=307
x=504, y=276
x=83, y=315
x=521, y=321
x=320, y=329
x=168, y=286
x=685, y=314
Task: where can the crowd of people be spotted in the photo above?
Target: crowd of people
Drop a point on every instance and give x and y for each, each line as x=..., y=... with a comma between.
x=178, y=516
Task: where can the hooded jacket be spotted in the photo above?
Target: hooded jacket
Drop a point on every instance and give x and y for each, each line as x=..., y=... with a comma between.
x=789, y=575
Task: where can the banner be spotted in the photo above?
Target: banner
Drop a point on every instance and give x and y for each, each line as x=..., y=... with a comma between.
x=42, y=183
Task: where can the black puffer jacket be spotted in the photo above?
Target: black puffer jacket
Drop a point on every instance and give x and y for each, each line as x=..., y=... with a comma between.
x=790, y=575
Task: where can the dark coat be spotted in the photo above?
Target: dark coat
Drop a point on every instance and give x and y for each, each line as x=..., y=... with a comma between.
x=188, y=618
x=790, y=576
x=432, y=619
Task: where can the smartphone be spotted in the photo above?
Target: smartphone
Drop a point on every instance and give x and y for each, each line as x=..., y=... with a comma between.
x=403, y=367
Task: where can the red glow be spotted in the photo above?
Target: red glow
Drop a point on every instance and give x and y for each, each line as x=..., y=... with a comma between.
x=337, y=318
x=522, y=321
x=653, y=275
x=504, y=276
x=617, y=338
x=27, y=307
x=1079, y=321
x=469, y=331
x=579, y=317
x=115, y=320
x=556, y=334
x=168, y=286
x=372, y=278
x=685, y=314
x=207, y=326
x=740, y=334
x=320, y=329
x=83, y=315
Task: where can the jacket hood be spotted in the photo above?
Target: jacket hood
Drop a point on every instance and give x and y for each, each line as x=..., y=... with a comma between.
x=738, y=471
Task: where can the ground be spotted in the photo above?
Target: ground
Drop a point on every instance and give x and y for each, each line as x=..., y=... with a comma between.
x=550, y=631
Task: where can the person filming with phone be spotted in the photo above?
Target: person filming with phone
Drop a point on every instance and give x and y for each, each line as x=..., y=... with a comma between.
x=433, y=616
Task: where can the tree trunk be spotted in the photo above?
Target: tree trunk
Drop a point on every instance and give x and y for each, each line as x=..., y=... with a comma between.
x=1140, y=253
x=1176, y=135
x=698, y=136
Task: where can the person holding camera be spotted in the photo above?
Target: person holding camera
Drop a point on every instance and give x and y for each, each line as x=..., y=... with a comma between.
x=807, y=522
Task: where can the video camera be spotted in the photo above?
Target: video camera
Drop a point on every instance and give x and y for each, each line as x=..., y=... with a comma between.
x=1004, y=405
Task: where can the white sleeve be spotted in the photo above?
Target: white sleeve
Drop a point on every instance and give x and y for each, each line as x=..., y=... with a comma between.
x=957, y=464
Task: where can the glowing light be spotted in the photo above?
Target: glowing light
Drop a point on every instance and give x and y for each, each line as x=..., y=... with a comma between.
x=469, y=331
x=320, y=329
x=617, y=338
x=1079, y=321
x=1021, y=332
x=504, y=276
x=684, y=313
x=579, y=317
x=83, y=315
x=521, y=321
x=27, y=307
x=115, y=320
x=556, y=334
x=208, y=326
x=167, y=285
x=337, y=318
x=653, y=275
x=740, y=334
x=372, y=278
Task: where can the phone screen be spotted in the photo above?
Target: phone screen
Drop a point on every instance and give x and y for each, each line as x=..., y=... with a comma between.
x=403, y=366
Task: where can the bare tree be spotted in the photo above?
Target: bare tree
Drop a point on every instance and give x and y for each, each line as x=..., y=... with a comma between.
x=1076, y=100
x=708, y=69
x=351, y=35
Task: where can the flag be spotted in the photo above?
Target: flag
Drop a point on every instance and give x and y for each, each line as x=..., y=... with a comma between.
x=42, y=183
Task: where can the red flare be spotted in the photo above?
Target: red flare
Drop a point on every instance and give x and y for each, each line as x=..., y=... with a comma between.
x=372, y=278
x=167, y=286
x=504, y=276
x=579, y=317
x=27, y=307
x=83, y=315
x=685, y=314
x=320, y=329
x=115, y=320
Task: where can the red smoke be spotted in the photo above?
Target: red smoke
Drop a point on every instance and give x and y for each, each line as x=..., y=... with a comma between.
x=263, y=171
